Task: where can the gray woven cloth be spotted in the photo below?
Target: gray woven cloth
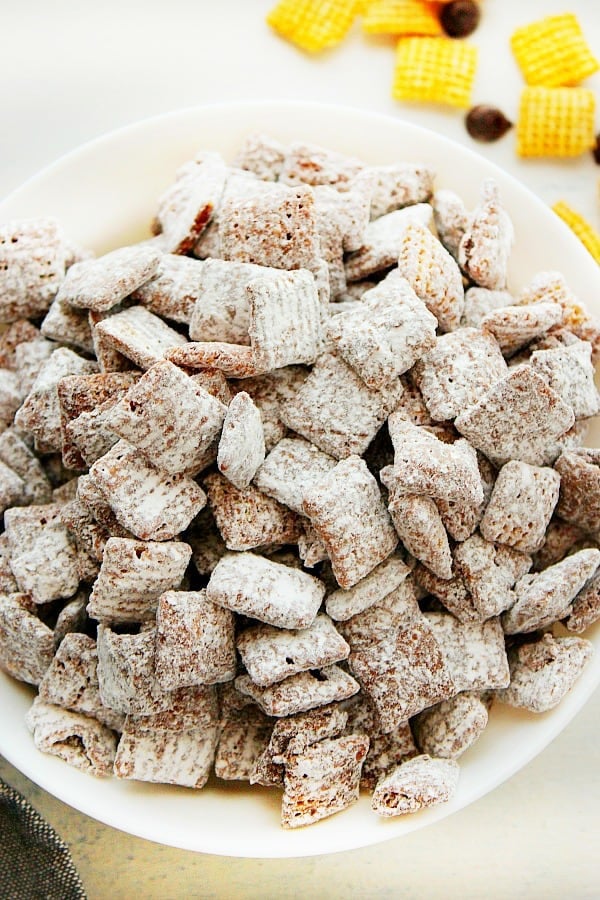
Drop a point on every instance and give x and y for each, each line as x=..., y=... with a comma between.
x=34, y=863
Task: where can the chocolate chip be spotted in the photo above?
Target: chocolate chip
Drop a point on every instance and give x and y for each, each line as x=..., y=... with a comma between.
x=486, y=123
x=460, y=18
x=596, y=150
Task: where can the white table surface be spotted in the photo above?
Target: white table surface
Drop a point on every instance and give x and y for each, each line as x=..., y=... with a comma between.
x=73, y=70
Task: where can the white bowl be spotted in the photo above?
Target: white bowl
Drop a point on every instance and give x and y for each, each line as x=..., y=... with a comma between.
x=104, y=193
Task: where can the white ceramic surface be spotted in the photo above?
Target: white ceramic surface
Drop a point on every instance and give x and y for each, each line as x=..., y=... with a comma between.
x=104, y=193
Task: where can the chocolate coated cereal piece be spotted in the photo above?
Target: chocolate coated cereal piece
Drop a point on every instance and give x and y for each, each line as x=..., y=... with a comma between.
x=383, y=240
x=433, y=274
x=222, y=306
x=300, y=692
x=420, y=528
x=521, y=506
x=271, y=393
x=515, y=326
x=542, y=672
x=19, y=332
x=346, y=510
x=292, y=465
x=72, y=618
x=29, y=358
x=173, y=289
x=386, y=577
x=548, y=596
x=489, y=573
x=262, y=155
x=249, y=519
x=67, y=325
x=323, y=780
x=272, y=654
x=270, y=592
x=234, y=360
x=183, y=757
x=92, y=498
x=8, y=585
x=151, y=503
x=519, y=418
x=386, y=751
x=139, y=335
x=399, y=185
x=481, y=301
x=457, y=371
x=195, y=641
x=474, y=652
x=133, y=576
x=451, y=727
x=416, y=784
x=452, y=593
x=586, y=607
x=170, y=418
x=103, y=282
x=579, y=501
x=32, y=265
x=306, y=163
x=384, y=336
x=26, y=644
x=560, y=539
x=569, y=372
x=127, y=675
x=451, y=219
x=242, y=444
x=207, y=544
x=186, y=207
x=79, y=740
x=11, y=487
x=244, y=737
x=460, y=517
x=486, y=244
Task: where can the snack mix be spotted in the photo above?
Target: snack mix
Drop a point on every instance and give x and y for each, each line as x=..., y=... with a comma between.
x=294, y=490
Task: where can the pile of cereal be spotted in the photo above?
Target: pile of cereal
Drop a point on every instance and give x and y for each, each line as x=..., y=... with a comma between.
x=294, y=490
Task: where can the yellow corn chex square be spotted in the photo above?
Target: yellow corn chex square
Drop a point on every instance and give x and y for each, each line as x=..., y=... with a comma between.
x=436, y=69
x=588, y=235
x=553, y=52
x=313, y=24
x=555, y=122
x=402, y=17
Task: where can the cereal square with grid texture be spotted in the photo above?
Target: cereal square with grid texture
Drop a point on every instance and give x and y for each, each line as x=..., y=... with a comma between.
x=93, y=500
x=455, y=373
x=242, y=444
x=170, y=418
x=433, y=274
x=18, y=332
x=450, y=728
x=26, y=643
x=417, y=784
x=386, y=751
x=67, y=325
x=520, y=418
x=387, y=576
x=272, y=654
x=481, y=301
x=311, y=164
x=553, y=52
x=133, y=576
x=474, y=652
x=347, y=512
x=300, y=692
x=544, y=671
x=420, y=528
x=569, y=371
x=460, y=517
x=515, y=326
x=489, y=573
x=451, y=218
x=580, y=226
x=291, y=466
x=90, y=537
x=262, y=155
x=336, y=411
x=32, y=265
x=195, y=641
x=139, y=335
x=521, y=506
x=233, y=360
x=221, y=311
x=555, y=122
x=271, y=393
x=76, y=738
x=270, y=592
x=586, y=607
x=173, y=289
x=434, y=69
x=244, y=737
x=485, y=247
x=402, y=17
x=383, y=239
x=323, y=780
x=579, y=501
x=310, y=25
x=399, y=185
x=206, y=542
x=186, y=207
x=248, y=519
x=103, y=282
x=127, y=675
x=388, y=332
x=547, y=596
x=151, y=503
x=452, y=594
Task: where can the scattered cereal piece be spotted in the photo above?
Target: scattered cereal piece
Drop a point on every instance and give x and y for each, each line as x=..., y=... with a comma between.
x=26, y=644
x=418, y=783
x=383, y=240
x=346, y=510
x=451, y=727
x=555, y=122
x=542, y=672
x=79, y=740
x=32, y=265
x=486, y=244
x=300, y=692
x=311, y=25
x=272, y=654
x=249, y=519
x=386, y=577
x=290, y=468
x=552, y=52
x=519, y=418
x=521, y=506
x=547, y=596
x=433, y=274
x=139, y=335
x=336, y=411
x=195, y=641
x=133, y=576
x=103, y=282
x=152, y=504
x=434, y=70
x=267, y=591
x=401, y=17
x=323, y=780
x=490, y=573
x=587, y=234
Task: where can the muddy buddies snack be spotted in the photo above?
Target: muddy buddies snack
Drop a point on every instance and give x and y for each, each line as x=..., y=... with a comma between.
x=291, y=490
